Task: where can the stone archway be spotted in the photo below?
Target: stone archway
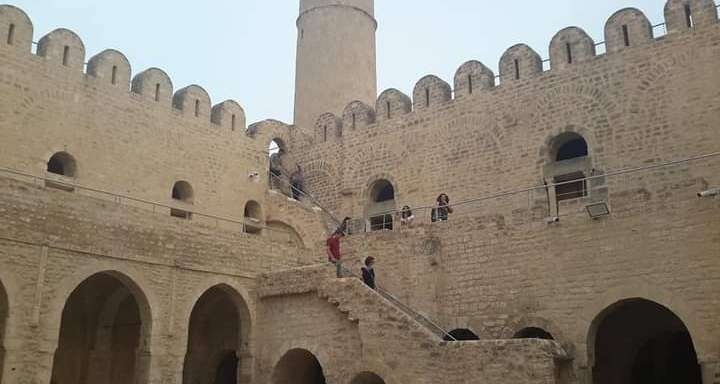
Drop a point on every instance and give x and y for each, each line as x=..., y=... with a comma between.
x=103, y=332
x=298, y=366
x=637, y=341
x=4, y=309
x=217, y=335
x=367, y=378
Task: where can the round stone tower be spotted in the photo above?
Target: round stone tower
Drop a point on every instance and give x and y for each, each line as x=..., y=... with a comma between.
x=335, y=57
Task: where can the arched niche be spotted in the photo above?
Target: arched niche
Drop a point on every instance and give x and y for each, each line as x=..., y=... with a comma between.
x=367, y=378
x=253, y=215
x=461, y=334
x=104, y=329
x=298, y=366
x=640, y=341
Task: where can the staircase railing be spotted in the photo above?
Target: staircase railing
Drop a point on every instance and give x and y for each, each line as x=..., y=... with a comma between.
x=415, y=315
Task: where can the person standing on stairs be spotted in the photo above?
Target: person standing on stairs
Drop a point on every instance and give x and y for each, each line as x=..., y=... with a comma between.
x=368, y=272
x=333, y=250
x=297, y=183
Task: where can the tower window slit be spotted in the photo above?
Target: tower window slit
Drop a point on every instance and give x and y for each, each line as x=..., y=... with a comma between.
x=114, y=74
x=470, y=84
x=157, y=92
x=324, y=132
x=387, y=105
x=197, y=107
x=689, y=16
x=11, y=34
x=427, y=97
x=233, y=119
x=626, y=35
x=568, y=49
x=517, y=69
x=66, y=55
x=354, y=121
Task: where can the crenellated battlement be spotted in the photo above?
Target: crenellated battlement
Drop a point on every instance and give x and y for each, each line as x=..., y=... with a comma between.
x=520, y=65
x=64, y=51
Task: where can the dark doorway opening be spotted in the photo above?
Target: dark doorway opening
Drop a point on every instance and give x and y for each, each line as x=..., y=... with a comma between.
x=641, y=342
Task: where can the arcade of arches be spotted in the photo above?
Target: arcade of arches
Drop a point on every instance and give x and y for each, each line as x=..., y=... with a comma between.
x=101, y=334
x=641, y=342
x=214, y=339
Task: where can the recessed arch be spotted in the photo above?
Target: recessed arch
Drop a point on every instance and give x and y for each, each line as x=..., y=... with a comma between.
x=63, y=164
x=277, y=152
x=182, y=192
x=218, y=338
x=641, y=341
x=105, y=326
x=367, y=378
x=461, y=334
x=380, y=205
x=253, y=217
x=533, y=333
x=282, y=232
x=298, y=366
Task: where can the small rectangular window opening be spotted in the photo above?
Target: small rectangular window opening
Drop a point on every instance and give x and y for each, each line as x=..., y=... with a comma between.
x=689, y=16
x=114, y=74
x=233, y=119
x=197, y=108
x=568, y=49
x=354, y=121
x=324, y=133
x=427, y=97
x=517, y=69
x=626, y=35
x=11, y=34
x=470, y=84
x=157, y=92
x=66, y=55
x=388, y=109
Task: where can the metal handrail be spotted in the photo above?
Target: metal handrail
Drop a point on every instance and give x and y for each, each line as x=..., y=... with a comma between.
x=118, y=197
x=403, y=307
x=305, y=194
x=551, y=185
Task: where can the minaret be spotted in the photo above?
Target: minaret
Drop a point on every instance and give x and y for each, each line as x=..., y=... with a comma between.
x=335, y=57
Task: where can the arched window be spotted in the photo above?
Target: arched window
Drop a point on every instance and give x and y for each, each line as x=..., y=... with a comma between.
x=253, y=218
x=382, y=204
x=63, y=164
x=182, y=192
x=569, y=152
x=463, y=334
x=533, y=333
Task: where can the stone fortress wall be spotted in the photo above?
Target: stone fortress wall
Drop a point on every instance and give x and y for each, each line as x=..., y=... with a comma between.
x=96, y=288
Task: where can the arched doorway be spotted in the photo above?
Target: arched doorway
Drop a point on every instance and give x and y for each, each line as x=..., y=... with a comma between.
x=3, y=319
x=462, y=334
x=219, y=323
x=279, y=177
x=367, y=378
x=569, y=152
x=104, y=329
x=298, y=366
x=533, y=333
x=381, y=206
x=638, y=341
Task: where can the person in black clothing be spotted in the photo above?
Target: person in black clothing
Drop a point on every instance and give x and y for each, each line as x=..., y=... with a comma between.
x=368, y=273
x=297, y=183
x=442, y=208
x=342, y=229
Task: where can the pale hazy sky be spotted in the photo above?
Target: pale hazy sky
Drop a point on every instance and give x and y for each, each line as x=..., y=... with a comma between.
x=245, y=49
